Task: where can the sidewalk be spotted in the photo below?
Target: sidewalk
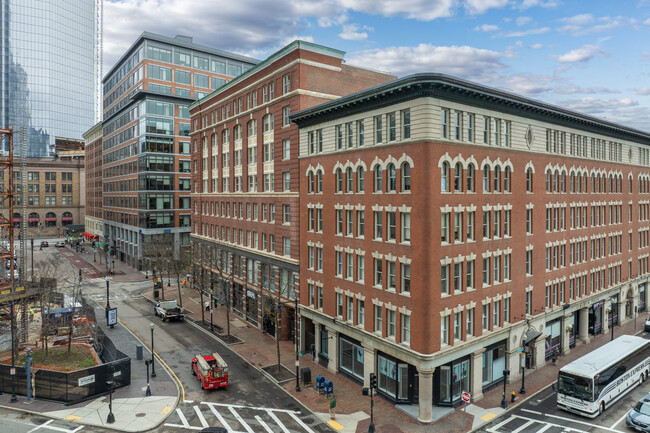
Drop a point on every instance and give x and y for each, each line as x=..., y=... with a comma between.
x=353, y=409
x=259, y=349
x=133, y=411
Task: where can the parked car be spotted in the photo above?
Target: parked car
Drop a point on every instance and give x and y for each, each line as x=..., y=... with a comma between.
x=647, y=324
x=44, y=244
x=60, y=244
x=639, y=417
x=168, y=310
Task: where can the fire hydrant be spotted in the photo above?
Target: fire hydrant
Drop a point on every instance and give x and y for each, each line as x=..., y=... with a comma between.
x=513, y=397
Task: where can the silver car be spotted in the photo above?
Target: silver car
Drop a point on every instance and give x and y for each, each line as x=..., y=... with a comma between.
x=639, y=417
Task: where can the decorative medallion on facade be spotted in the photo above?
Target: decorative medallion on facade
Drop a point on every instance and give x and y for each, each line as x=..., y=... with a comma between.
x=529, y=136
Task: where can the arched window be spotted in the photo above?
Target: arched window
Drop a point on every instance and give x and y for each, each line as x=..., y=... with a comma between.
x=349, y=180
x=378, y=179
x=470, y=178
x=458, y=177
x=237, y=132
x=339, y=180
x=66, y=219
x=556, y=181
x=319, y=183
x=486, y=179
x=267, y=121
x=16, y=220
x=34, y=219
x=572, y=182
x=563, y=182
x=251, y=126
x=444, y=177
x=406, y=176
x=506, y=180
x=629, y=185
x=360, y=179
x=225, y=136
x=529, y=180
x=497, y=179
x=50, y=219
x=392, y=177
x=310, y=187
x=549, y=181
x=214, y=140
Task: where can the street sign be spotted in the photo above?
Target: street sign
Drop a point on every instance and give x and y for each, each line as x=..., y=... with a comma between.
x=466, y=397
x=112, y=316
x=12, y=371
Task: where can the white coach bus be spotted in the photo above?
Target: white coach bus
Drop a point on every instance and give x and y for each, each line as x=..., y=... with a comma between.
x=591, y=384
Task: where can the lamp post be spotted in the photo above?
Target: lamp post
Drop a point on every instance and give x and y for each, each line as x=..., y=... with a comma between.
x=504, y=402
x=108, y=299
x=522, y=360
x=612, y=317
x=295, y=337
x=13, y=349
x=111, y=418
x=147, y=362
x=153, y=367
x=635, y=309
x=32, y=240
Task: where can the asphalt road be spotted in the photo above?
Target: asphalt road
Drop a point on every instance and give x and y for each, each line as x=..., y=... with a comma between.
x=541, y=414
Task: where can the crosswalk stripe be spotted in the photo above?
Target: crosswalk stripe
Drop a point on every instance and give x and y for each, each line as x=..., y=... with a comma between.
x=526, y=425
x=275, y=418
x=223, y=422
x=263, y=424
x=201, y=417
x=299, y=421
x=240, y=420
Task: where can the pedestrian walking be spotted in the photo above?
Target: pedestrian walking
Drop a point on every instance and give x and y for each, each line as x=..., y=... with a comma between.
x=332, y=408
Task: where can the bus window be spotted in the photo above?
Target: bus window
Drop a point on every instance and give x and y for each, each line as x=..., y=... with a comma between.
x=575, y=386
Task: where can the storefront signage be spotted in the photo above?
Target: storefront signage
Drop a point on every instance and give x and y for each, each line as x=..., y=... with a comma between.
x=598, y=305
x=251, y=294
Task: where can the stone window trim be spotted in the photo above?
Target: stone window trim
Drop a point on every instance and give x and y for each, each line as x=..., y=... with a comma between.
x=377, y=302
x=404, y=260
x=445, y=261
x=339, y=290
x=445, y=312
x=360, y=297
x=377, y=255
x=459, y=308
x=529, y=206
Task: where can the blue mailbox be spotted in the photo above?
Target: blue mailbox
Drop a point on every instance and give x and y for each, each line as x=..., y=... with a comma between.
x=329, y=388
x=320, y=380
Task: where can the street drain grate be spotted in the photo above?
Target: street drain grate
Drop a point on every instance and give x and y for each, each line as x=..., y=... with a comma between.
x=140, y=415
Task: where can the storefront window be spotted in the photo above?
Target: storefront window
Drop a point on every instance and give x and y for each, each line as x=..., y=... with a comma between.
x=387, y=375
x=460, y=379
x=351, y=359
x=553, y=337
x=494, y=362
x=642, y=295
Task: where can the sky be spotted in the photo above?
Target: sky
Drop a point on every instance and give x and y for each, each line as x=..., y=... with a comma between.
x=590, y=56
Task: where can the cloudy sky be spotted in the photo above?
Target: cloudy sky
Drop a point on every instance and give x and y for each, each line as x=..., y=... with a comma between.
x=591, y=56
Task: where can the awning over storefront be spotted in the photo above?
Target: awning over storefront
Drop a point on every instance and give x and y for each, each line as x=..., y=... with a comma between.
x=89, y=236
x=16, y=220
x=531, y=335
x=34, y=220
x=66, y=219
x=50, y=219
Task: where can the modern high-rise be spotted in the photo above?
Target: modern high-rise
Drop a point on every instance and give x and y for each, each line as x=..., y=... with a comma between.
x=49, y=79
x=146, y=138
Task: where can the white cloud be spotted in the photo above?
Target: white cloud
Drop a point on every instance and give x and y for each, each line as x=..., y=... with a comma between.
x=525, y=84
x=522, y=21
x=572, y=89
x=332, y=21
x=461, y=61
x=538, y=31
x=526, y=4
x=643, y=91
x=585, y=24
x=421, y=10
x=487, y=28
x=647, y=22
x=596, y=106
x=477, y=7
x=579, y=55
x=351, y=32
x=537, y=46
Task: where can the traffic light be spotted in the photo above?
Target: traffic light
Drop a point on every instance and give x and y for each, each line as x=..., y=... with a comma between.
x=373, y=380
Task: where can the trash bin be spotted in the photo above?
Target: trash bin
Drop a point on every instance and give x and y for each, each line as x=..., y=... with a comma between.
x=305, y=375
x=138, y=352
x=156, y=293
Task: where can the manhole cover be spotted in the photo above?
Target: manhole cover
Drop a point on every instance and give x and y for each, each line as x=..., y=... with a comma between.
x=140, y=415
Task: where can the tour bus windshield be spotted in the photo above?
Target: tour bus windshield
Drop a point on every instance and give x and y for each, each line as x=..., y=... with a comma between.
x=575, y=386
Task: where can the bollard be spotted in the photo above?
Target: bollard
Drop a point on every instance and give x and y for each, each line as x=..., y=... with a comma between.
x=513, y=397
x=138, y=352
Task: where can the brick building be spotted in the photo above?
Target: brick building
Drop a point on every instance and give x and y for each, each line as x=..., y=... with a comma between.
x=245, y=178
x=146, y=144
x=94, y=221
x=449, y=227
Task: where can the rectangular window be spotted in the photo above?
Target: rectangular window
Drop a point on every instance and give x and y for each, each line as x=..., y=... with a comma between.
x=470, y=226
x=361, y=312
x=444, y=279
x=406, y=227
x=406, y=278
x=444, y=330
x=486, y=271
x=458, y=124
x=390, y=323
x=339, y=305
x=360, y=268
x=379, y=273
x=391, y=220
x=406, y=328
x=469, y=124
x=378, y=225
x=378, y=319
x=457, y=325
x=392, y=127
x=406, y=124
x=378, y=130
x=444, y=228
x=469, y=321
x=360, y=223
x=360, y=133
x=486, y=317
x=444, y=123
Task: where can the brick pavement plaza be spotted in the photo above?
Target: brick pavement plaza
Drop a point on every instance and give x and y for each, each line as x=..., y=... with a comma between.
x=260, y=350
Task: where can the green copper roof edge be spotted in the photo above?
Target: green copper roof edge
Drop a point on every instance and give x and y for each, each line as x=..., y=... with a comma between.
x=441, y=80
x=273, y=57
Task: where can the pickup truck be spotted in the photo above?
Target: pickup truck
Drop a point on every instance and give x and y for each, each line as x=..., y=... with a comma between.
x=168, y=310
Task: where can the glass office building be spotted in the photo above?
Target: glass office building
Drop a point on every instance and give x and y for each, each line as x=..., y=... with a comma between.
x=49, y=80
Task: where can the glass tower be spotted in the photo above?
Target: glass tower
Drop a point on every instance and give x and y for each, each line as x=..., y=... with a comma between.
x=48, y=76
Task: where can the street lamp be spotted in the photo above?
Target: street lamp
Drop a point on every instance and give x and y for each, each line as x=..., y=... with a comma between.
x=13, y=349
x=612, y=316
x=147, y=362
x=111, y=418
x=108, y=299
x=153, y=367
x=32, y=239
x=504, y=403
x=295, y=337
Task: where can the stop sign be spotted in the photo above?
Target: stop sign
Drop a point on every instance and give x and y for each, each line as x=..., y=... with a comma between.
x=465, y=396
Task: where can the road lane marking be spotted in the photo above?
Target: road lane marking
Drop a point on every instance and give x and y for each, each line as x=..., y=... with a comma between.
x=532, y=411
x=204, y=423
x=239, y=406
x=263, y=424
x=569, y=420
x=619, y=420
x=299, y=421
x=240, y=420
x=51, y=427
x=275, y=418
x=183, y=419
x=501, y=424
x=517, y=430
x=221, y=419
